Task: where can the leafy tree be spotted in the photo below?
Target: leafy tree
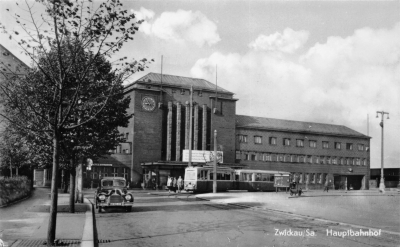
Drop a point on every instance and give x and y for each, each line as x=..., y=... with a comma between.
x=56, y=92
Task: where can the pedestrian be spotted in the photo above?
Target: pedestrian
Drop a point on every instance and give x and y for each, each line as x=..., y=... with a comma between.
x=174, y=184
x=169, y=184
x=180, y=184
x=327, y=185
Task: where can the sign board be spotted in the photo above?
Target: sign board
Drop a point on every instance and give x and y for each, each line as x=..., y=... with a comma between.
x=281, y=181
x=202, y=156
x=96, y=164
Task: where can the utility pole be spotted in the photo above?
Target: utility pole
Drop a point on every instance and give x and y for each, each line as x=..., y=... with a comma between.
x=190, y=126
x=382, y=182
x=215, y=163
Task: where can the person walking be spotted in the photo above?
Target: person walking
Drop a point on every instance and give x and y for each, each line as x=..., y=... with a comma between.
x=174, y=184
x=169, y=184
x=180, y=184
x=327, y=185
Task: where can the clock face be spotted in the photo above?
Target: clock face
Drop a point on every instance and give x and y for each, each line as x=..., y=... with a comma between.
x=148, y=103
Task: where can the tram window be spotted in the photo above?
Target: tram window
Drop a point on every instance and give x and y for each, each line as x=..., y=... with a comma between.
x=247, y=177
x=272, y=178
x=223, y=176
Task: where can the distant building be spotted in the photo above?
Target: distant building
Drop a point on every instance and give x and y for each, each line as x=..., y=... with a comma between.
x=391, y=175
x=158, y=134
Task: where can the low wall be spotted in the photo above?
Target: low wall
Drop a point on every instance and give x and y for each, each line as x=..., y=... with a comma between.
x=14, y=189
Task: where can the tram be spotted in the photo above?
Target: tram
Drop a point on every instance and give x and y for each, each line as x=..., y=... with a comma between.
x=259, y=180
x=200, y=179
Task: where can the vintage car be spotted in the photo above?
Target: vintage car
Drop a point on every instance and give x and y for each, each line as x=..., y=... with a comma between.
x=113, y=192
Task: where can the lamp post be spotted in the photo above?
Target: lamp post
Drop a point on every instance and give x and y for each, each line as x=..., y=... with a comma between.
x=215, y=163
x=382, y=182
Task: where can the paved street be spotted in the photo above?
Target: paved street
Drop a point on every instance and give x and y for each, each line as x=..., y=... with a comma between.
x=160, y=219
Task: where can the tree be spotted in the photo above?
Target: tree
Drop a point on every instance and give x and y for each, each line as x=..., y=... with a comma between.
x=46, y=101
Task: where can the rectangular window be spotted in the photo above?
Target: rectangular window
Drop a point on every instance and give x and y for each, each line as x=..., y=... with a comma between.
x=316, y=159
x=238, y=155
x=343, y=161
x=280, y=157
x=272, y=140
x=334, y=160
x=246, y=157
x=286, y=142
x=253, y=157
x=267, y=157
x=287, y=158
x=349, y=146
x=338, y=145
x=302, y=159
x=325, y=145
x=309, y=159
x=299, y=143
x=313, y=178
x=313, y=144
x=364, y=162
x=348, y=161
x=322, y=160
x=320, y=178
x=301, y=178
x=328, y=160
x=243, y=138
x=125, y=173
x=115, y=172
x=294, y=158
x=257, y=140
x=358, y=161
x=126, y=136
x=360, y=147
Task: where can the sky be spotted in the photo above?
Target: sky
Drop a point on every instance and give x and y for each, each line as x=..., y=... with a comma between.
x=335, y=62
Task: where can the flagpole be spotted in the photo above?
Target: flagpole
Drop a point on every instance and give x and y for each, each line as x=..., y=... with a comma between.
x=190, y=126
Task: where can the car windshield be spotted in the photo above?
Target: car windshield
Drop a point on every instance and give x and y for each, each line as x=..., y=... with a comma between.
x=109, y=183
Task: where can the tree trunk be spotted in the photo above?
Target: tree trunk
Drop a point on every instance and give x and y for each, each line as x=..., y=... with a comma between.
x=72, y=189
x=51, y=230
x=80, y=183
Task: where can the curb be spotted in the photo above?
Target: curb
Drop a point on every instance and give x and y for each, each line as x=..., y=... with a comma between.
x=89, y=236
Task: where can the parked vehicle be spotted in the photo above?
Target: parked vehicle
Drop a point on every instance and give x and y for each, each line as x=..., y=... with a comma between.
x=113, y=192
x=295, y=189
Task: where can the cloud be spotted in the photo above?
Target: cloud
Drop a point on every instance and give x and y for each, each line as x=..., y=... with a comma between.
x=339, y=82
x=180, y=27
x=288, y=41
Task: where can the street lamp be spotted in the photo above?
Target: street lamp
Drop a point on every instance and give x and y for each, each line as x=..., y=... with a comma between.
x=382, y=182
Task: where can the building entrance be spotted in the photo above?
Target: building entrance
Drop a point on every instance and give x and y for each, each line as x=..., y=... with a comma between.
x=348, y=182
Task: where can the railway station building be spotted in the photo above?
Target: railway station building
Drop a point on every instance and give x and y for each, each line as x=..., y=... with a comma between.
x=158, y=135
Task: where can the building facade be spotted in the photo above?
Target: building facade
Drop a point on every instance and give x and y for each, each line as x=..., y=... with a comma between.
x=158, y=133
x=314, y=153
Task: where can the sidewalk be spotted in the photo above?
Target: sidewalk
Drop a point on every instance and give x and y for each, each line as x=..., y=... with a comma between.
x=71, y=229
